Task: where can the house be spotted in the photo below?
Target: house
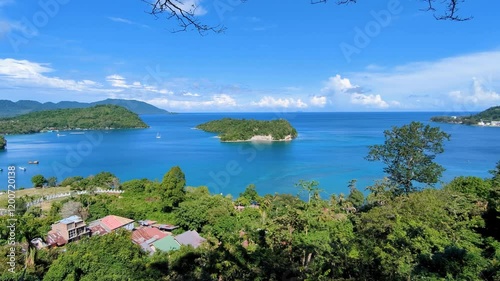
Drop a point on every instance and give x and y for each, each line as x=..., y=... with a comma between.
x=67, y=230
x=110, y=223
x=170, y=242
x=190, y=237
x=166, y=244
x=146, y=236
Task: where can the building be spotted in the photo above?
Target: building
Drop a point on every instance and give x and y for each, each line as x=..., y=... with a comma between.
x=191, y=238
x=67, y=230
x=166, y=244
x=146, y=236
x=110, y=223
x=170, y=243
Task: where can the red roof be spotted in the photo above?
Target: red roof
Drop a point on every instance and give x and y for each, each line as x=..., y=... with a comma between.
x=97, y=229
x=114, y=222
x=143, y=234
x=54, y=238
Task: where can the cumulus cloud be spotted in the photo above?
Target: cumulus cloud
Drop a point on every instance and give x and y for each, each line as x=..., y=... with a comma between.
x=369, y=100
x=338, y=84
x=24, y=73
x=269, y=101
x=218, y=101
x=319, y=101
x=189, y=94
x=477, y=96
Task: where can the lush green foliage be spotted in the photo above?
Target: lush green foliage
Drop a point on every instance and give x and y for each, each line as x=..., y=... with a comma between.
x=408, y=153
x=241, y=129
x=10, y=108
x=97, y=117
x=109, y=257
x=172, y=186
x=490, y=114
x=103, y=180
x=38, y=180
x=3, y=142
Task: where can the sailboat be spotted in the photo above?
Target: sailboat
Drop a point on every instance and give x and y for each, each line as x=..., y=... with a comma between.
x=158, y=136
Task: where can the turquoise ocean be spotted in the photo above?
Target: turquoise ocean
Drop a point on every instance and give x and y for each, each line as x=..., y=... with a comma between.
x=330, y=148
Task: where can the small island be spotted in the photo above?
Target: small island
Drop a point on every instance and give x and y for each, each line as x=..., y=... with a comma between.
x=489, y=117
x=99, y=117
x=239, y=130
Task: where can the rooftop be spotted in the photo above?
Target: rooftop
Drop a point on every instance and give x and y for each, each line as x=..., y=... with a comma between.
x=144, y=234
x=190, y=237
x=113, y=222
x=166, y=244
x=72, y=219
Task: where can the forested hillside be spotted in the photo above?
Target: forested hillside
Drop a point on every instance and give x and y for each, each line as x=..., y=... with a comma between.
x=10, y=109
x=490, y=114
x=97, y=117
x=230, y=129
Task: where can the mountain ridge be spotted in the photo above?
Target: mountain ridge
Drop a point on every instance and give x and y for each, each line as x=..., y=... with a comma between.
x=10, y=108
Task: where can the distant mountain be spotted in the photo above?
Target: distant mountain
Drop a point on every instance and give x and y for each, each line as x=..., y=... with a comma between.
x=9, y=108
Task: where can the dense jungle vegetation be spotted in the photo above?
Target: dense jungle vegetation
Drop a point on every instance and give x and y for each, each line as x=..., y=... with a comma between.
x=97, y=117
x=230, y=129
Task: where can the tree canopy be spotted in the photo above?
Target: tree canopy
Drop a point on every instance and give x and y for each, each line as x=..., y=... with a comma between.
x=244, y=129
x=97, y=117
x=408, y=153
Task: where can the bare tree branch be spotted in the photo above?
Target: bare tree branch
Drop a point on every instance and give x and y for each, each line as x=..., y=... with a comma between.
x=187, y=16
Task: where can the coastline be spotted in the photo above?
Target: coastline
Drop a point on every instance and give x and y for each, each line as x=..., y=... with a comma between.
x=262, y=138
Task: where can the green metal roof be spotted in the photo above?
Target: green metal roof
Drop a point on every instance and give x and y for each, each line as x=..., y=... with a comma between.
x=166, y=244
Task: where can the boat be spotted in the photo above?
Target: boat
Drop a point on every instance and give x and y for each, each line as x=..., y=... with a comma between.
x=34, y=162
x=22, y=168
x=61, y=135
x=158, y=136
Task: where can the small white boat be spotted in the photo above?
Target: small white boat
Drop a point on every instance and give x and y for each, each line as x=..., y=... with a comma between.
x=158, y=136
x=22, y=168
x=61, y=135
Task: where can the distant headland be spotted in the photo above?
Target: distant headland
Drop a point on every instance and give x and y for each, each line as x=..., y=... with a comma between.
x=99, y=117
x=489, y=117
x=242, y=130
x=10, y=109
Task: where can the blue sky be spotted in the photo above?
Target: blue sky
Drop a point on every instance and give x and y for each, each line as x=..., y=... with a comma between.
x=274, y=56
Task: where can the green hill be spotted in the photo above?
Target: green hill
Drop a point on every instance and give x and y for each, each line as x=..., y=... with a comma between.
x=9, y=108
x=97, y=117
x=243, y=130
x=490, y=114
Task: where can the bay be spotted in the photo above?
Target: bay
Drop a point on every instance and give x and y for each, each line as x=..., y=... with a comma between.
x=330, y=148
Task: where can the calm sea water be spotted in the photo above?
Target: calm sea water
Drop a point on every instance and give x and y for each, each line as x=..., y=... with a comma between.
x=330, y=149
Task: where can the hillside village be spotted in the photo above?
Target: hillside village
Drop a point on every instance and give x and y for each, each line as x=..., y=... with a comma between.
x=150, y=235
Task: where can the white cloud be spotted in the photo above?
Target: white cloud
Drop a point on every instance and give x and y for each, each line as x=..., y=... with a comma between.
x=189, y=94
x=319, y=101
x=369, y=100
x=219, y=101
x=477, y=96
x=338, y=84
x=269, y=101
x=24, y=73
x=120, y=82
